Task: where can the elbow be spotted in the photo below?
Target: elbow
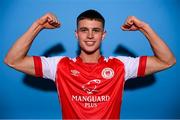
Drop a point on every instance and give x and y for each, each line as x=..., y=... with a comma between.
x=171, y=63
x=8, y=62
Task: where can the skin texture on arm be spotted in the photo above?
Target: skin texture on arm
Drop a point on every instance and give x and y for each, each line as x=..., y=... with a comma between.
x=17, y=57
x=163, y=57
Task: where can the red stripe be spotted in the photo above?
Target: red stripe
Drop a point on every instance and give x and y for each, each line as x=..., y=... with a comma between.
x=38, y=66
x=142, y=66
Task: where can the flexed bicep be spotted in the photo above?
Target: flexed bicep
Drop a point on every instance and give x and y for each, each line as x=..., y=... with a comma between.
x=153, y=65
x=26, y=66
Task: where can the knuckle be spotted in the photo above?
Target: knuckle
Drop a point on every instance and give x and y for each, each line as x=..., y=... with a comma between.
x=132, y=17
x=49, y=13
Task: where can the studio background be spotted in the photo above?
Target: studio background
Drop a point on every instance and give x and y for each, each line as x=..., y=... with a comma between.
x=155, y=96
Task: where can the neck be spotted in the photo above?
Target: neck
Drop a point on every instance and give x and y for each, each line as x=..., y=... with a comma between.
x=90, y=58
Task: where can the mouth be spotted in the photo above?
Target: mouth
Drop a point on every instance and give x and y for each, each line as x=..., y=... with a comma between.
x=90, y=43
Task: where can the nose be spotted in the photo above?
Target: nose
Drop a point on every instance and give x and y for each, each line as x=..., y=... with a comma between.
x=90, y=35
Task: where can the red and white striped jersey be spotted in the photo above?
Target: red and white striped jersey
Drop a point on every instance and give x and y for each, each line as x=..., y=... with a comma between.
x=90, y=90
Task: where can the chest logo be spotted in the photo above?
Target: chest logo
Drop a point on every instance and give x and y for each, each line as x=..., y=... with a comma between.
x=91, y=86
x=75, y=72
x=107, y=73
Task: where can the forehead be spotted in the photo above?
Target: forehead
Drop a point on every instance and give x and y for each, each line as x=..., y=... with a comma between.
x=90, y=23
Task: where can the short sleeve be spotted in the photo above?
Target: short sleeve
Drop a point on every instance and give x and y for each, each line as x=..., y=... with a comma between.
x=134, y=67
x=46, y=66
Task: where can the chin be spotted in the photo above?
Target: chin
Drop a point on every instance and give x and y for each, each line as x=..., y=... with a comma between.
x=90, y=51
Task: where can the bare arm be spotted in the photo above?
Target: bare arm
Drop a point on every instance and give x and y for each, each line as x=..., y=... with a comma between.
x=17, y=57
x=163, y=57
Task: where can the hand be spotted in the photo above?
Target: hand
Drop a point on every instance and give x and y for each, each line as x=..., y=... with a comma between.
x=132, y=24
x=48, y=21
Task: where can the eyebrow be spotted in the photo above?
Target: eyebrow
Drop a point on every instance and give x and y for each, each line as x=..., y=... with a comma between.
x=83, y=28
x=96, y=28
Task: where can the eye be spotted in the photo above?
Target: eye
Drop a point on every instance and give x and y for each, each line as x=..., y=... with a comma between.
x=96, y=30
x=83, y=29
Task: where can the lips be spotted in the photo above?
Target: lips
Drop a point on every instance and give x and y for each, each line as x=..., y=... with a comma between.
x=90, y=43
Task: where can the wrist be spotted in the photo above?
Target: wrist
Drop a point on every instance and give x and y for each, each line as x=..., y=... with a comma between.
x=39, y=23
x=36, y=26
x=145, y=27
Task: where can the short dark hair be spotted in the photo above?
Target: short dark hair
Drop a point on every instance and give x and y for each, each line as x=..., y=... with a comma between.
x=92, y=15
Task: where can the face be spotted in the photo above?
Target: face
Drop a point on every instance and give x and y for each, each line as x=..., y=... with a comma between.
x=90, y=33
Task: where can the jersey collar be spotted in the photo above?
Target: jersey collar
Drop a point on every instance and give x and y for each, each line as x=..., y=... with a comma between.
x=100, y=60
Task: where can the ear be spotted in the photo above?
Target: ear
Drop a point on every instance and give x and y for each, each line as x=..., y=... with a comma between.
x=76, y=34
x=104, y=35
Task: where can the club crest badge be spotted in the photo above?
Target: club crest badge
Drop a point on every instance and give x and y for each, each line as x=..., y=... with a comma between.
x=91, y=86
x=107, y=73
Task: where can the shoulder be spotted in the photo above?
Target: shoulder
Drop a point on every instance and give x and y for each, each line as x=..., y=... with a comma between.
x=126, y=60
x=66, y=60
x=119, y=58
x=113, y=60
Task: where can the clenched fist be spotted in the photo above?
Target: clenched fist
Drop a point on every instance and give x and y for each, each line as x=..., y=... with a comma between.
x=48, y=21
x=132, y=24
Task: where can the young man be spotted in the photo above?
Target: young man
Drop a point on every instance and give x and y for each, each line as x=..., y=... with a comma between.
x=89, y=86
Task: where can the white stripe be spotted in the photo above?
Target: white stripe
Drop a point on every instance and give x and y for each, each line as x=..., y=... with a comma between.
x=131, y=66
x=49, y=66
